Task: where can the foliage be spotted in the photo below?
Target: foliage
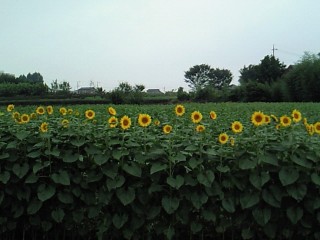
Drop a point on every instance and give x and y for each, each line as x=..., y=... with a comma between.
x=88, y=179
x=303, y=80
x=201, y=76
x=269, y=70
x=182, y=95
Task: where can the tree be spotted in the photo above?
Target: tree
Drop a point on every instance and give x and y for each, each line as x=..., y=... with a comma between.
x=201, y=76
x=269, y=70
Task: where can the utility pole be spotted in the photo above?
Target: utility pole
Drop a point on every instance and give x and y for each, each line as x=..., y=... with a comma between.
x=273, y=49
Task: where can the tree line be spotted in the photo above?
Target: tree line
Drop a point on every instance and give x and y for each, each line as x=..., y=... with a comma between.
x=268, y=81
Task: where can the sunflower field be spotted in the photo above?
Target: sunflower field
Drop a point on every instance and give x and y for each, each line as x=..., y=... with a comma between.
x=185, y=171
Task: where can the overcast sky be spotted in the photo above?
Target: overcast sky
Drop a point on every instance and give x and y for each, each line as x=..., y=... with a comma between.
x=150, y=42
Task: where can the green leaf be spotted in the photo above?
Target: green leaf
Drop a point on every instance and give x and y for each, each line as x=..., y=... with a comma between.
x=294, y=214
x=117, y=154
x=119, y=220
x=179, y=158
x=247, y=163
x=110, y=170
x=196, y=227
x=206, y=178
x=126, y=196
x=45, y=192
x=315, y=178
x=301, y=161
x=40, y=165
x=223, y=169
x=288, y=175
x=65, y=197
x=58, y=215
x=100, y=159
x=169, y=232
x=32, y=178
x=62, y=177
x=262, y=215
x=229, y=204
x=21, y=135
x=208, y=215
x=133, y=169
x=269, y=158
x=4, y=156
x=34, y=206
x=170, y=204
x=46, y=226
x=297, y=191
x=194, y=162
x=247, y=233
x=248, y=199
x=176, y=182
x=157, y=167
x=269, y=198
x=20, y=169
x=4, y=177
x=70, y=157
x=198, y=199
x=117, y=182
x=34, y=154
x=78, y=142
x=258, y=179
x=153, y=212
x=18, y=211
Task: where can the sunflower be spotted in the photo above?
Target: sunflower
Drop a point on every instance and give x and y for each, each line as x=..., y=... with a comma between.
x=144, y=120
x=196, y=116
x=24, y=118
x=200, y=128
x=44, y=127
x=305, y=121
x=257, y=118
x=49, y=110
x=274, y=117
x=90, y=114
x=10, y=107
x=223, y=138
x=285, y=121
x=156, y=122
x=65, y=123
x=213, y=115
x=70, y=111
x=180, y=110
x=40, y=110
x=125, y=122
x=278, y=126
x=63, y=111
x=33, y=115
x=236, y=127
x=232, y=141
x=296, y=115
x=310, y=129
x=112, y=111
x=167, y=129
x=267, y=119
x=317, y=127
x=113, y=121
x=15, y=115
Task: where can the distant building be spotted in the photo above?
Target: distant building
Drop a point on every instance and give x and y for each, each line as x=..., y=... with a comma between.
x=86, y=90
x=154, y=91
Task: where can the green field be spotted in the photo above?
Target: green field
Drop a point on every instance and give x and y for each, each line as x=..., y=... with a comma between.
x=223, y=171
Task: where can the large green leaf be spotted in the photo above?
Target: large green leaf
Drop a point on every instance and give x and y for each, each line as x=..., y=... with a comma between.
x=294, y=214
x=247, y=163
x=288, y=175
x=126, y=196
x=133, y=169
x=170, y=204
x=157, y=167
x=206, y=178
x=61, y=177
x=262, y=215
x=248, y=199
x=45, y=192
x=70, y=157
x=34, y=206
x=20, y=169
x=258, y=179
x=32, y=178
x=100, y=159
x=117, y=182
x=40, y=165
x=110, y=170
x=315, y=178
x=175, y=182
x=297, y=191
x=269, y=198
x=58, y=215
x=229, y=204
x=4, y=177
x=21, y=135
x=65, y=197
x=119, y=220
x=301, y=161
x=269, y=158
x=198, y=199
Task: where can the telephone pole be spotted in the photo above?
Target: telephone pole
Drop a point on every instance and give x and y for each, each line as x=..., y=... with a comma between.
x=273, y=49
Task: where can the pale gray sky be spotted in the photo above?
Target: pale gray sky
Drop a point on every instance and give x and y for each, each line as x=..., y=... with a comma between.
x=150, y=42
